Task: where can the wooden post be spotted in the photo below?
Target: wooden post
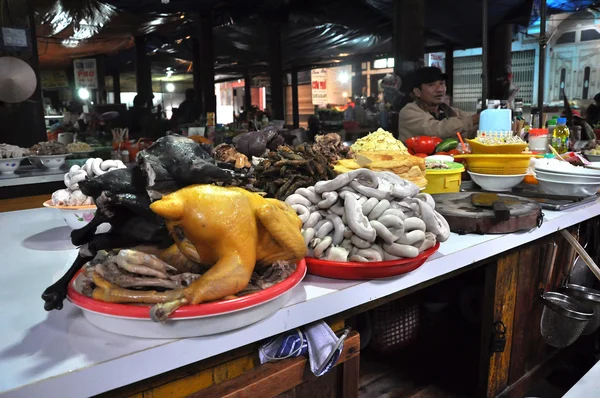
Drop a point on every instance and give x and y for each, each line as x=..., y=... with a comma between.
x=207, y=62
x=197, y=75
x=116, y=75
x=23, y=123
x=295, y=105
x=275, y=69
x=485, y=81
x=499, y=306
x=409, y=41
x=449, y=60
x=542, y=62
x=357, y=79
x=143, y=70
x=500, y=50
x=247, y=93
x=101, y=95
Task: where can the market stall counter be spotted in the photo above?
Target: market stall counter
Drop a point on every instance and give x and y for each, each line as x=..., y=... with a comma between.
x=59, y=353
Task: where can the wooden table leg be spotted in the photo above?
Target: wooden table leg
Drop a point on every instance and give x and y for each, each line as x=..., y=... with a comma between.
x=350, y=377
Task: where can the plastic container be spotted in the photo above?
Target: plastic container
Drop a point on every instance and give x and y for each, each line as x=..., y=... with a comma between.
x=444, y=180
x=479, y=148
x=538, y=140
x=497, y=164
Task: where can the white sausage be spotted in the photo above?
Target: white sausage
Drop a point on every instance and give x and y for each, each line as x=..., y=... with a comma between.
x=414, y=223
x=411, y=237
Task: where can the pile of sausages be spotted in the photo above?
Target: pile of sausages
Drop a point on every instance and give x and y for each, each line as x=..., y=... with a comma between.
x=367, y=216
x=72, y=196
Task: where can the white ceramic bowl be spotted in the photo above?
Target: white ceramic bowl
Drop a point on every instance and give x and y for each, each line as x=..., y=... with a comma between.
x=497, y=183
x=581, y=189
x=78, y=216
x=10, y=165
x=560, y=177
x=52, y=162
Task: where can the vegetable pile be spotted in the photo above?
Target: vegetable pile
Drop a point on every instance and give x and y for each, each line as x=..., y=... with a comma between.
x=424, y=145
x=367, y=216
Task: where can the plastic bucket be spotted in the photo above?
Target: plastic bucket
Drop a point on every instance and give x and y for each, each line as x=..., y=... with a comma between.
x=444, y=180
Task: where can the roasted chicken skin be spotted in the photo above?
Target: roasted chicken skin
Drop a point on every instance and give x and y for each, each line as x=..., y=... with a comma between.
x=229, y=229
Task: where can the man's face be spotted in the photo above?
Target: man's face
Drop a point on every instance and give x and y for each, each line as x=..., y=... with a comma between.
x=432, y=93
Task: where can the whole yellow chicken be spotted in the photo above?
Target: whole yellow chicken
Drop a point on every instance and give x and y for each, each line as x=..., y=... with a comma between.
x=229, y=229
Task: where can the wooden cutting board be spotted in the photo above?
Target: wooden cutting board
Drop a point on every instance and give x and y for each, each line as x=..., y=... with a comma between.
x=464, y=217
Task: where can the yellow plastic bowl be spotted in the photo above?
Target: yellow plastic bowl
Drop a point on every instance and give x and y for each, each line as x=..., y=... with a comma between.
x=497, y=164
x=480, y=149
x=444, y=180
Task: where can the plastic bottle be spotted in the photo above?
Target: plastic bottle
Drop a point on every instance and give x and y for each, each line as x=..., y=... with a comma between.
x=560, y=137
x=551, y=126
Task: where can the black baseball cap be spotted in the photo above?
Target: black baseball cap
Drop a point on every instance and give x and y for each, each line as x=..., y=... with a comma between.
x=429, y=74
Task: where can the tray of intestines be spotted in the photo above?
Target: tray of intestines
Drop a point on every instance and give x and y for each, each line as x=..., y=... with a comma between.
x=366, y=225
x=76, y=208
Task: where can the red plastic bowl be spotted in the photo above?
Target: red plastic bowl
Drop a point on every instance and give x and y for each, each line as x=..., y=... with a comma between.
x=188, y=311
x=377, y=270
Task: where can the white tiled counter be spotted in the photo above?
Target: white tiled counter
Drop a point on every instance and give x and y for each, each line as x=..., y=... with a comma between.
x=59, y=354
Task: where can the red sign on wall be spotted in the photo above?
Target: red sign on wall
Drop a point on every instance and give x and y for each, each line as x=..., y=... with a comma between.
x=86, y=74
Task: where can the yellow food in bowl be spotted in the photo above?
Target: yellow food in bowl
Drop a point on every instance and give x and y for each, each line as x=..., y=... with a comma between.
x=477, y=147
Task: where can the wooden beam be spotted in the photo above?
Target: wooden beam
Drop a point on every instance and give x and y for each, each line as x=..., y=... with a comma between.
x=275, y=70
x=247, y=93
x=272, y=379
x=116, y=75
x=500, y=53
x=207, y=62
x=26, y=203
x=143, y=69
x=295, y=102
x=408, y=38
x=197, y=69
x=502, y=300
x=449, y=61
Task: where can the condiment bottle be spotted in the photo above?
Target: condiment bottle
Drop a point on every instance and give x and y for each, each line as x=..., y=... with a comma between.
x=560, y=137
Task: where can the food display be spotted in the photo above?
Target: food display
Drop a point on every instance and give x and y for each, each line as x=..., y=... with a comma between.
x=12, y=151
x=72, y=195
x=256, y=143
x=49, y=148
x=367, y=216
x=228, y=154
x=331, y=147
x=228, y=230
x=595, y=151
x=286, y=169
x=379, y=140
x=164, y=208
x=77, y=147
x=408, y=167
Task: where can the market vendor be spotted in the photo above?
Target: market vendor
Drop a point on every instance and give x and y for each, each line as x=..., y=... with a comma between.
x=428, y=114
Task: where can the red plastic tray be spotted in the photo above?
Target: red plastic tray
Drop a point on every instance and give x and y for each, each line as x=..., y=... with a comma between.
x=377, y=270
x=188, y=311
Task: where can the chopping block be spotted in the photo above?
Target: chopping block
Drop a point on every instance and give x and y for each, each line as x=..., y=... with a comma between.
x=465, y=217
